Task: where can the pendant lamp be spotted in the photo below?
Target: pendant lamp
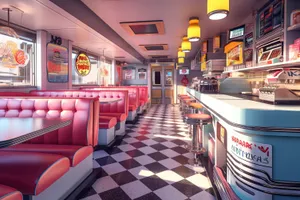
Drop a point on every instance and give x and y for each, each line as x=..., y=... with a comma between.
x=193, y=31
x=180, y=60
x=7, y=30
x=217, y=9
x=180, y=53
x=186, y=45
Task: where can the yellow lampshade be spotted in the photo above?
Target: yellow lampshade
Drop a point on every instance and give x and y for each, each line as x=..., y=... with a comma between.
x=180, y=53
x=186, y=45
x=194, y=31
x=180, y=60
x=217, y=9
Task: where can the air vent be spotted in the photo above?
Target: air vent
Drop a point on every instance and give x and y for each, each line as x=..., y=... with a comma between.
x=154, y=47
x=161, y=60
x=159, y=56
x=144, y=27
x=119, y=57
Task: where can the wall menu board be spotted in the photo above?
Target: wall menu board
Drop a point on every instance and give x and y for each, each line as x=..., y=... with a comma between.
x=270, y=17
x=216, y=43
x=236, y=32
x=142, y=73
x=129, y=73
x=57, y=63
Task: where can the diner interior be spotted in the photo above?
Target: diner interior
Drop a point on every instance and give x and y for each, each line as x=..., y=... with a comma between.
x=149, y=99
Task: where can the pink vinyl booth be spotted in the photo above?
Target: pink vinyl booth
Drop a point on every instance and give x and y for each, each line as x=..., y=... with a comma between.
x=53, y=165
x=143, y=98
x=9, y=193
x=133, y=93
x=112, y=116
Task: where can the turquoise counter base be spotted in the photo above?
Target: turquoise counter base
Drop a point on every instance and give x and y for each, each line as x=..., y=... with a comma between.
x=259, y=146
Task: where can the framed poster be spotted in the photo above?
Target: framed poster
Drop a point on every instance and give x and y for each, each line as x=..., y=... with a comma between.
x=216, y=43
x=142, y=73
x=129, y=73
x=57, y=64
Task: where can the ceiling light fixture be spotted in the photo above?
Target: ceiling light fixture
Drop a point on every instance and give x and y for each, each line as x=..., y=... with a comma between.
x=217, y=9
x=194, y=31
x=186, y=45
x=6, y=29
x=180, y=53
x=180, y=60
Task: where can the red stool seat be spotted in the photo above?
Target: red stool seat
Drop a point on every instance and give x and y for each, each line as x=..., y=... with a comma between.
x=9, y=193
x=202, y=117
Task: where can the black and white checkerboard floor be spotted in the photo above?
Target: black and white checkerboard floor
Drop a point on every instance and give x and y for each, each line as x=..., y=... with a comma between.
x=151, y=163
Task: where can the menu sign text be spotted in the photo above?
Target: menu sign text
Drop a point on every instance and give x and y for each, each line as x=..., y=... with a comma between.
x=253, y=152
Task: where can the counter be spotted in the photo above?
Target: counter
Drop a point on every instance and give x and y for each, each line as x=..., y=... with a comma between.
x=257, y=145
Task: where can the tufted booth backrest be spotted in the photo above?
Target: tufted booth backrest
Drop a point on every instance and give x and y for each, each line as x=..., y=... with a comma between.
x=133, y=93
x=80, y=111
x=116, y=107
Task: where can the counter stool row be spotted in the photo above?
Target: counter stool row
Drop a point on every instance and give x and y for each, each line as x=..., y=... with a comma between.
x=196, y=120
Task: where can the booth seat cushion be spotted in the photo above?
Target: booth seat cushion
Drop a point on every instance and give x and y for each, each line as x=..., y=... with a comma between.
x=120, y=116
x=31, y=173
x=9, y=193
x=132, y=108
x=106, y=122
x=75, y=153
x=142, y=102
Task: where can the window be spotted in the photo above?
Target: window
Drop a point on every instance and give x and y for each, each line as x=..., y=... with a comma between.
x=17, y=61
x=91, y=78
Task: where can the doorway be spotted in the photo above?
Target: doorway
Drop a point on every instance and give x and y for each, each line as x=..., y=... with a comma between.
x=162, y=84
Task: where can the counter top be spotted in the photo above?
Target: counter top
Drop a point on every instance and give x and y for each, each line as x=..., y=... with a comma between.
x=249, y=113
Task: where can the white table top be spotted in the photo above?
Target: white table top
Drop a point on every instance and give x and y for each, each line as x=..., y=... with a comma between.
x=109, y=100
x=17, y=130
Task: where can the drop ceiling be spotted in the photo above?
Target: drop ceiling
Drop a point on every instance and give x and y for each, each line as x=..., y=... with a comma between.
x=175, y=15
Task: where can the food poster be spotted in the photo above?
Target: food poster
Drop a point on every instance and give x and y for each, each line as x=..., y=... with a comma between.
x=270, y=53
x=234, y=53
x=129, y=73
x=216, y=43
x=203, y=62
x=142, y=73
x=118, y=75
x=13, y=56
x=105, y=69
x=204, y=47
x=57, y=63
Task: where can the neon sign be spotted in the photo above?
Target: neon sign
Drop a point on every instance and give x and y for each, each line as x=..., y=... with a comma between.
x=83, y=64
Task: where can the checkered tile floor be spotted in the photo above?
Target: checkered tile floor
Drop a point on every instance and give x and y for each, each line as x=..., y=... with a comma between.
x=151, y=163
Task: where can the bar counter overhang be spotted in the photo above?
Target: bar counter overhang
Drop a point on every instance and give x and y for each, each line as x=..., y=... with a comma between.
x=260, y=148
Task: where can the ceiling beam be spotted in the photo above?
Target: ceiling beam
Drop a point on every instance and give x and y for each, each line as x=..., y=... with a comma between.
x=83, y=13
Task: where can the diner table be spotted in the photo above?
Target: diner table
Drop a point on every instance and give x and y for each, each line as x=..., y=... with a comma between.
x=18, y=130
x=109, y=100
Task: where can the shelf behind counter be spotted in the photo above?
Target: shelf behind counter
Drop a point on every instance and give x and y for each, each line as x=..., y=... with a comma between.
x=251, y=115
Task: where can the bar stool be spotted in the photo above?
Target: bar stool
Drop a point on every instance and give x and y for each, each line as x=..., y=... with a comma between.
x=186, y=102
x=195, y=108
x=195, y=121
x=181, y=98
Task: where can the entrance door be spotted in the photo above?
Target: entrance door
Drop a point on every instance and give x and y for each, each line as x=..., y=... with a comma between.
x=162, y=81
